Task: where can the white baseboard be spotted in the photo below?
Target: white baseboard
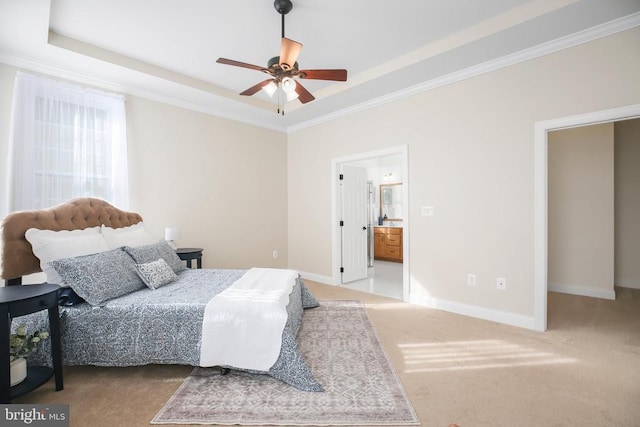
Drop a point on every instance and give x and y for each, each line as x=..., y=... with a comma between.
x=504, y=317
x=318, y=278
x=582, y=291
x=632, y=284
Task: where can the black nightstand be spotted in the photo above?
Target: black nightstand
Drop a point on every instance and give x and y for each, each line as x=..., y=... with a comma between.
x=17, y=301
x=189, y=254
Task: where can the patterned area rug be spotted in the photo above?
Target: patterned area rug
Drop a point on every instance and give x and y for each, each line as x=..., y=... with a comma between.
x=342, y=350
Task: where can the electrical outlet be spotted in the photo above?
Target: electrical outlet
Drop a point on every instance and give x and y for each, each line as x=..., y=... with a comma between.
x=471, y=279
x=275, y=254
x=501, y=283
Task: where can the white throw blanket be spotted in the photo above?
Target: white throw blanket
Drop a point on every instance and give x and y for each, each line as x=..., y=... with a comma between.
x=243, y=325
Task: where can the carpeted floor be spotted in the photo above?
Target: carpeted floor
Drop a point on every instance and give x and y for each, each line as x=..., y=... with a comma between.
x=342, y=350
x=590, y=375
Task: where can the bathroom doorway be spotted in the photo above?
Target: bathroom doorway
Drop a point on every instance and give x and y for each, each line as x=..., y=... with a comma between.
x=387, y=270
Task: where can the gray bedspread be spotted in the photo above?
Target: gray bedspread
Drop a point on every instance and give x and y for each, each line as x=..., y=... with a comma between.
x=164, y=326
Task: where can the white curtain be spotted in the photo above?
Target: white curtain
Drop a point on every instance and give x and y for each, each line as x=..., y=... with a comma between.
x=66, y=141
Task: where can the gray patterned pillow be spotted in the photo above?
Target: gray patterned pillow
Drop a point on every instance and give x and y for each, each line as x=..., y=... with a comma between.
x=100, y=277
x=156, y=273
x=154, y=251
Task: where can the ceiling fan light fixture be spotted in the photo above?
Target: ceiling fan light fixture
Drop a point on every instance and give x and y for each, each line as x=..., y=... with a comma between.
x=288, y=85
x=289, y=88
x=270, y=88
x=291, y=96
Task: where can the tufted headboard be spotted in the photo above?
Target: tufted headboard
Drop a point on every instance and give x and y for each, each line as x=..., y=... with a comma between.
x=17, y=256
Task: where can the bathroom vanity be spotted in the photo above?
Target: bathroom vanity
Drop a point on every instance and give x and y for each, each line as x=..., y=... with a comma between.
x=388, y=243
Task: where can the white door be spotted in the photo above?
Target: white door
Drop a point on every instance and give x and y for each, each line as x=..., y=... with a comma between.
x=353, y=221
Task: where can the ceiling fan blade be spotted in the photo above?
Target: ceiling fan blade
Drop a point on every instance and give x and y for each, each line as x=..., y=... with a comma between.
x=256, y=88
x=337, y=75
x=289, y=51
x=241, y=64
x=303, y=94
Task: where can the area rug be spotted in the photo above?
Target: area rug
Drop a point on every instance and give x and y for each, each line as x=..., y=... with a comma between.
x=344, y=353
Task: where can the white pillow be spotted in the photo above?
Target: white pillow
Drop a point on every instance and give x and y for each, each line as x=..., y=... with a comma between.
x=51, y=245
x=134, y=235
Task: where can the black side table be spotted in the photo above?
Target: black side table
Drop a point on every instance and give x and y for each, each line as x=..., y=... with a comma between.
x=189, y=254
x=17, y=301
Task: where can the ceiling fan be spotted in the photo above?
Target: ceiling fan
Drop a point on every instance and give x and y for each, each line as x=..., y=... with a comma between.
x=284, y=70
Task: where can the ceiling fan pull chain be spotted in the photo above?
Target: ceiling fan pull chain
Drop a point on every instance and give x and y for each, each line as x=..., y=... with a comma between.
x=280, y=102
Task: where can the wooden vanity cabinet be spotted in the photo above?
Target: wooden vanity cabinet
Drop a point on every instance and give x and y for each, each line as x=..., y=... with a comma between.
x=388, y=243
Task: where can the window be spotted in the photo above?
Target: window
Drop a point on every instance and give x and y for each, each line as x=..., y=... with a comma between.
x=66, y=141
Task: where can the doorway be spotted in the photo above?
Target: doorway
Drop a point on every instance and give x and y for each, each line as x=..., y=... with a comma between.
x=383, y=277
x=541, y=194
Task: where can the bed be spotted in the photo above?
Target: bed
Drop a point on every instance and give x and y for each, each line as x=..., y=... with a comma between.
x=105, y=321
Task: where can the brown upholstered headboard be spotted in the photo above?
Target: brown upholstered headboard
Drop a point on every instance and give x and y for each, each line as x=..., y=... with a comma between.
x=17, y=257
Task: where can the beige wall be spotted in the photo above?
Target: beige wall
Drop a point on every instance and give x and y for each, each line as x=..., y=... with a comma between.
x=627, y=203
x=223, y=183
x=581, y=255
x=581, y=210
x=471, y=147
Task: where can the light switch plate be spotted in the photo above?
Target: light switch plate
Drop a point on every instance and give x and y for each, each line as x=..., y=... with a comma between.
x=428, y=211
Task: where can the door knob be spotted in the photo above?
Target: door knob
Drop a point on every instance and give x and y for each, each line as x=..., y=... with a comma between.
x=364, y=228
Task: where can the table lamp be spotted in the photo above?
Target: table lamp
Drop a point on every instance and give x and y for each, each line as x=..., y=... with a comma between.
x=171, y=235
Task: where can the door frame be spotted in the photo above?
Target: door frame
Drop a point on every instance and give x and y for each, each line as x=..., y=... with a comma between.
x=403, y=150
x=541, y=131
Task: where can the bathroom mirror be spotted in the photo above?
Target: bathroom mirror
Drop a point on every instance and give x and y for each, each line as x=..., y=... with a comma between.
x=391, y=201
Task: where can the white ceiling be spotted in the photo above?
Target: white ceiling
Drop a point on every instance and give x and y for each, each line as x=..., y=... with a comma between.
x=166, y=49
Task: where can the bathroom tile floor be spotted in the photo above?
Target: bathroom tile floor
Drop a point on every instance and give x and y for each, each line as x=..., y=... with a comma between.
x=384, y=278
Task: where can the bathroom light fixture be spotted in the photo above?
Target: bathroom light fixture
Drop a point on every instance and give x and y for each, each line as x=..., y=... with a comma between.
x=171, y=235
